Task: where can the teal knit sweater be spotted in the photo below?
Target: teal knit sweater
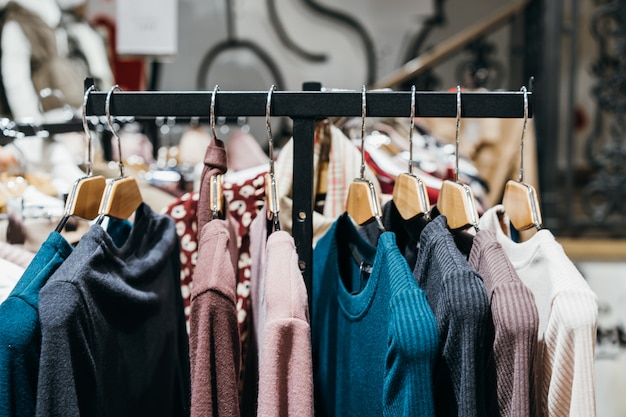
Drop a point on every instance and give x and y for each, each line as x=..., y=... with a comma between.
x=374, y=334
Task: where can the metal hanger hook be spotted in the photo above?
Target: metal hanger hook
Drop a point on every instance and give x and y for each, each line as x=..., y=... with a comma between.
x=363, y=114
x=212, y=114
x=87, y=130
x=107, y=111
x=411, y=128
x=458, y=131
x=521, y=164
x=268, y=126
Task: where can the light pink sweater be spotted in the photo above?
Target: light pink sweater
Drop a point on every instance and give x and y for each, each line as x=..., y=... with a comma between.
x=281, y=320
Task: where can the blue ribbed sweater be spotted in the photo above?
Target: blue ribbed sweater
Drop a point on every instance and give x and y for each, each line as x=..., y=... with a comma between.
x=373, y=348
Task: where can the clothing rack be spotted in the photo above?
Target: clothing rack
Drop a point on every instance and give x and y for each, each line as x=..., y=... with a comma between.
x=305, y=108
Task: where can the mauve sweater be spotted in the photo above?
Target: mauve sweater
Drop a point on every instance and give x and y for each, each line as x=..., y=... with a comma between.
x=516, y=321
x=568, y=317
x=214, y=335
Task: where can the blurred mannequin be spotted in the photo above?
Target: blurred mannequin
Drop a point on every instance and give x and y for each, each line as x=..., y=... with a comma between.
x=39, y=80
x=47, y=51
x=87, y=47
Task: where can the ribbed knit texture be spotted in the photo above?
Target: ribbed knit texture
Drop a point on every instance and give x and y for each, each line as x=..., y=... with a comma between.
x=113, y=328
x=515, y=320
x=464, y=375
x=281, y=321
x=568, y=314
x=214, y=335
x=374, y=343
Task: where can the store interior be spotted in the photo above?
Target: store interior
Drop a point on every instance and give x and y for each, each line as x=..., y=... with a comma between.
x=140, y=90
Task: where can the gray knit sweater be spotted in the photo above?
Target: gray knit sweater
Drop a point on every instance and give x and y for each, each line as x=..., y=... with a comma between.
x=464, y=377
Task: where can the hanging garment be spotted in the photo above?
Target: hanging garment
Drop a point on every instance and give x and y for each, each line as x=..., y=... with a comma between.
x=516, y=322
x=374, y=334
x=113, y=329
x=464, y=377
x=20, y=331
x=343, y=167
x=213, y=333
x=281, y=324
x=568, y=314
x=214, y=164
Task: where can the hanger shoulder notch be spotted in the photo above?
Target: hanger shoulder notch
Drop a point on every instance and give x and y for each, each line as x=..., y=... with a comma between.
x=522, y=205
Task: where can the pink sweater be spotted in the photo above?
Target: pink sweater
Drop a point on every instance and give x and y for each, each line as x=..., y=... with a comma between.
x=281, y=319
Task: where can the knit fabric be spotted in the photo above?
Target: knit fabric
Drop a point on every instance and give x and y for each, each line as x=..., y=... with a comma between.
x=214, y=336
x=282, y=329
x=214, y=164
x=113, y=329
x=568, y=315
x=20, y=332
x=516, y=322
x=374, y=338
x=464, y=376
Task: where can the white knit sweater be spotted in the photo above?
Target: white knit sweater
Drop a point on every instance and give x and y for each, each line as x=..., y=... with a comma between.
x=568, y=315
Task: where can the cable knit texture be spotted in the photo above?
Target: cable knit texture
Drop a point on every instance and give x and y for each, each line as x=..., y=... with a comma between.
x=374, y=337
x=457, y=297
x=515, y=320
x=568, y=315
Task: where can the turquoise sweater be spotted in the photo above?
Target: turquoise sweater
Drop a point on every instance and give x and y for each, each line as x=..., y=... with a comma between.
x=375, y=338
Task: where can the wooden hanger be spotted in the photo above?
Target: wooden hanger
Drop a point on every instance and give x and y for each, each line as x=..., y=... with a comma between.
x=216, y=182
x=84, y=199
x=520, y=199
x=271, y=189
x=362, y=203
x=456, y=200
x=409, y=191
x=122, y=196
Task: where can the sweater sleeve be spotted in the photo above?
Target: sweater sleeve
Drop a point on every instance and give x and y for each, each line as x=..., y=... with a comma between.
x=288, y=380
x=516, y=323
x=411, y=355
x=468, y=342
x=67, y=373
x=213, y=334
x=568, y=359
